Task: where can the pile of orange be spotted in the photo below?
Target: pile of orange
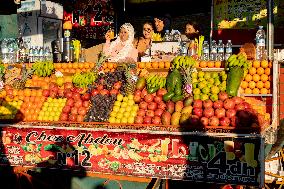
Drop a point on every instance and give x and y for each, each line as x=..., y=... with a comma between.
x=209, y=64
x=154, y=65
x=42, y=82
x=74, y=67
x=109, y=67
x=31, y=107
x=258, y=79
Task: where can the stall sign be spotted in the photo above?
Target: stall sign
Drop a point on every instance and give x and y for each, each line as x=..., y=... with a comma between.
x=173, y=155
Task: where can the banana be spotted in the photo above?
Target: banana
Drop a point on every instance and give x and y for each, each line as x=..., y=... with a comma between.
x=232, y=58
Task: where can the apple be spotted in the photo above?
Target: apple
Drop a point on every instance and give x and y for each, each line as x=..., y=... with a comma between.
x=117, y=85
x=74, y=110
x=246, y=105
x=66, y=109
x=156, y=120
x=64, y=117
x=68, y=94
x=197, y=112
x=149, y=98
x=72, y=117
x=68, y=85
x=81, y=90
x=194, y=121
x=147, y=120
x=137, y=98
x=78, y=103
x=220, y=112
x=197, y=104
x=137, y=92
x=152, y=106
x=94, y=92
x=218, y=104
x=231, y=113
x=104, y=92
x=204, y=121
x=239, y=107
x=70, y=102
x=161, y=92
x=159, y=112
x=162, y=106
x=207, y=104
x=139, y=119
x=76, y=96
x=158, y=99
x=82, y=111
x=100, y=87
x=45, y=92
x=229, y=104
x=53, y=94
x=141, y=112
x=80, y=118
x=208, y=112
x=235, y=121
x=150, y=113
x=86, y=96
x=213, y=121
x=144, y=93
x=113, y=92
x=52, y=85
x=223, y=96
x=237, y=100
x=143, y=105
x=224, y=121
x=61, y=93
x=86, y=104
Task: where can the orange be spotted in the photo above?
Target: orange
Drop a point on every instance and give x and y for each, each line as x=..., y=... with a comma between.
x=59, y=65
x=84, y=70
x=20, y=92
x=155, y=65
x=218, y=64
x=112, y=70
x=252, y=84
x=270, y=65
x=263, y=91
x=64, y=66
x=259, y=84
x=70, y=65
x=167, y=64
x=72, y=70
x=264, y=78
x=197, y=64
x=256, y=64
x=252, y=71
x=267, y=71
x=35, y=77
x=87, y=65
x=16, y=98
x=260, y=71
x=248, y=77
x=244, y=84
x=161, y=65
x=106, y=70
x=267, y=84
x=210, y=64
x=104, y=65
x=61, y=70
x=141, y=64
x=78, y=70
x=15, y=92
x=148, y=65
x=256, y=77
x=248, y=91
x=264, y=64
x=92, y=64
x=33, y=93
x=203, y=64
x=110, y=65
x=75, y=65
x=28, y=117
x=255, y=91
x=27, y=92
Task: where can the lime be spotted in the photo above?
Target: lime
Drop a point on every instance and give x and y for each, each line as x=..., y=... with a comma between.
x=195, y=85
x=204, y=97
x=214, y=97
x=214, y=75
x=196, y=97
x=196, y=91
x=215, y=90
x=217, y=82
x=206, y=90
x=207, y=75
x=210, y=80
x=201, y=74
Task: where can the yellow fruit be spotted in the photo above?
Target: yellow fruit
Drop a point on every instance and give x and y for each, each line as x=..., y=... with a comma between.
x=244, y=84
x=264, y=64
x=259, y=84
x=252, y=70
x=263, y=91
x=260, y=71
x=252, y=84
x=248, y=91
x=248, y=77
x=255, y=91
x=264, y=78
x=255, y=77
x=256, y=64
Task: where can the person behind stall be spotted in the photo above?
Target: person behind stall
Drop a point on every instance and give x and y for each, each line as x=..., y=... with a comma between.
x=192, y=31
x=162, y=23
x=121, y=49
x=143, y=43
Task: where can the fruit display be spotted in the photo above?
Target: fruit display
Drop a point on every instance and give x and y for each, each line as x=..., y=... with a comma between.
x=155, y=82
x=74, y=67
x=51, y=109
x=43, y=69
x=183, y=62
x=83, y=79
x=154, y=65
x=174, y=87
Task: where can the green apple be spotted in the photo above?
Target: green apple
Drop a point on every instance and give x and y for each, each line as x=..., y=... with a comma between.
x=205, y=90
x=112, y=119
x=124, y=120
x=119, y=97
x=130, y=120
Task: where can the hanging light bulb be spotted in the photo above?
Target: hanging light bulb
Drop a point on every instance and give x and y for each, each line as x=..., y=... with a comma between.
x=17, y=2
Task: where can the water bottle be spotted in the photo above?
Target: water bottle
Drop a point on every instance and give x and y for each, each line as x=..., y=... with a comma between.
x=229, y=50
x=220, y=51
x=205, y=51
x=167, y=36
x=260, y=43
x=213, y=53
x=31, y=54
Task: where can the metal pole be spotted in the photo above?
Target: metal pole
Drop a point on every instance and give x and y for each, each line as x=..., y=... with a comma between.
x=270, y=30
x=212, y=21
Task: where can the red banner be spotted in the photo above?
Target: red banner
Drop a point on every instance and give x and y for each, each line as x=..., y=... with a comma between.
x=188, y=156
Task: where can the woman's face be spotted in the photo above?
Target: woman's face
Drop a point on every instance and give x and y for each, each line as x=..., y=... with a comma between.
x=189, y=29
x=123, y=34
x=159, y=24
x=147, y=31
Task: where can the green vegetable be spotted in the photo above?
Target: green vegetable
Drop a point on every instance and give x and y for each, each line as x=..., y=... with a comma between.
x=151, y=90
x=168, y=96
x=178, y=88
x=234, y=80
x=173, y=79
x=177, y=98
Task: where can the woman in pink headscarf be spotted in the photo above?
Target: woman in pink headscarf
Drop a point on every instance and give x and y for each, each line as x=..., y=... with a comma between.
x=122, y=49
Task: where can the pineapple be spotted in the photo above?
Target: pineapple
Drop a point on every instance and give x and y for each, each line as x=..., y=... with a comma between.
x=20, y=83
x=186, y=73
x=130, y=79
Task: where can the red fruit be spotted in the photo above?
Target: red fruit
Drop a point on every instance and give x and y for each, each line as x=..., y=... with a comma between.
x=66, y=109
x=158, y=99
x=237, y=100
x=53, y=94
x=76, y=96
x=143, y=105
x=137, y=98
x=104, y=92
x=80, y=118
x=70, y=102
x=220, y=112
x=100, y=87
x=78, y=103
x=235, y=121
x=239, y=107
x=147, y=120
x=86, y=104
x=68, y=85
x=74, y=110
x=213, y=121
x=166, y=118
x=150, y=113
x=94, y=92
x=204, y=121
x=207, y=104
x=194, y=121
x=82, y=111
x=170, y=107
x=149, y=98
x=197, y=104
x=162, y=106
x=72, y=117
x=229, y=104
x=45, y=92
x=208, y=112
x=224, y=121
x=86, y=96
x=152, y=106
x=113, y=92
x=9, y=92
x=156, y=120
x=218, y=104
x=246, y=105
x=68, y=94
x=159, y=112
x=52, y=86
x=64, y=117
x=117, y=85
x=144, y=93
x=223, y=96
x=61, y=92
x=141, y=112
x=197, y=112
x=161, y=92
x=139, y=119
x=231, y=113
x=137, y=92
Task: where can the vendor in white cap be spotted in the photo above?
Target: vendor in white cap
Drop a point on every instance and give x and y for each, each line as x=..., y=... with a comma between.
x=121, y=49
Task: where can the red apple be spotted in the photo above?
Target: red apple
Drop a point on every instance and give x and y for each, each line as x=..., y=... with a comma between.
x=150, y=113
x=72, y=117
x=141, y=112
x=162, y=106
x=74, y=110
x=143, y=105
x=78, y=103
x=68, y=94
x=237, y=100
x=137, y=98
x=152, y=106
x=231, y=113
x=45, y=92
x=220, y=112
x=82, y=111
x=144, y=93
x=156, y=120
x=161, y=92
x=113, y=92
x=158, y=99
x=208, y=112
x=52, y=85
x=94, y=92
x=100, y=87
x=53, y=94
x=207, y=104
x=117, y=85
x=223, y=96
x=137, y=92
x=80, y=118
x=218, y=104
x=229, y=104
x=159, y=112
x=86, y=96
x=66, y=109
x=197, y=112
x=149, y=98
x=204, y=121
x=239, y=107
x=139, y=119
x=70, y=102
x=68, y=85
x=86, y=104
x=147, y=120
x=76, y=96
x=64, y=117
x=235, y=121
x=61, y=93
x=246, y=105
x=104, y=92
x=213, y=121
x=224, y=121
x=197, y=104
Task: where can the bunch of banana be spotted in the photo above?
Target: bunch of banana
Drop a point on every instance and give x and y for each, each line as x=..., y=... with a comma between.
x=155, y=82
x=82, y=80
x=183, y=62
x=77, y=47
x=43, y=69
x=156, y=37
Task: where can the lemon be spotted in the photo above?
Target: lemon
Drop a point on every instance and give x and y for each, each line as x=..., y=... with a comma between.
x=115, y=108
x=124, y=120
x=119, y=115
x=130, y=120
x=125, y=99
x=124, y=104
x=130, y=102
x=119, y=97
x=130, y=97
x=118, y=120
x=126, y=114
x=113, y=114
x=117, y=103
x=121, y=110
x=112, y=120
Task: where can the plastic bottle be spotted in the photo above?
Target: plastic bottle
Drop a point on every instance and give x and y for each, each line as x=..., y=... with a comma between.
x=213, y=53
x=220, y=56
x=205, y=51
x=229, y=49
x=167, y=36
x=260, y=43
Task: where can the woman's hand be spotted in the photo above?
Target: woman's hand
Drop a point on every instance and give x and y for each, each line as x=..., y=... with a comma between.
x=108, y=36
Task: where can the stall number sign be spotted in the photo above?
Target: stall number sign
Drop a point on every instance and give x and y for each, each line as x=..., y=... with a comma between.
x=194, y=157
